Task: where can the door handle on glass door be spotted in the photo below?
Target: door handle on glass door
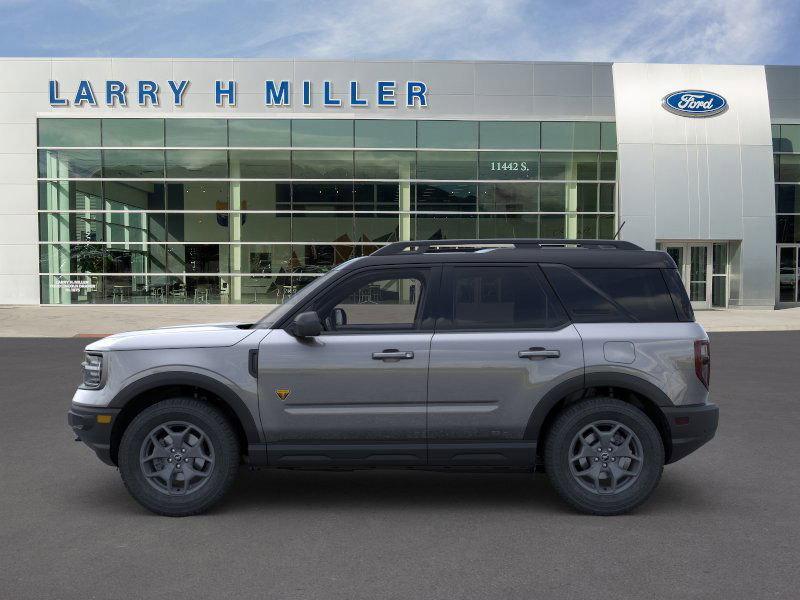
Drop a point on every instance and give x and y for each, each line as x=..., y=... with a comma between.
x=393, y=355
x=538, y=354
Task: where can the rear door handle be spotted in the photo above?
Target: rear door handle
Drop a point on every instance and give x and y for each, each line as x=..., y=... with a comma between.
x=538, y=354
x=393, y=354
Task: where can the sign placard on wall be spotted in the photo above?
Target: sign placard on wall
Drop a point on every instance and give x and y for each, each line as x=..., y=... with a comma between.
x=694, y=103
x=145, y=92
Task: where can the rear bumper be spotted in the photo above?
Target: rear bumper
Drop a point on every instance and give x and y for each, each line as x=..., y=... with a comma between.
x=690, y=427
x=85, y=426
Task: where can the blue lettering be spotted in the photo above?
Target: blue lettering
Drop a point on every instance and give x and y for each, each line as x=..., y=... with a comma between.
x=148, y=90
x=354, y=99
x=276, y=96
x=306, y=93
x=386, y=93
x=228, y=92
x=85, y=93
x=178, y=91
x=55, y=100
x=116, y=90
x=416, y=90
x=327, y=95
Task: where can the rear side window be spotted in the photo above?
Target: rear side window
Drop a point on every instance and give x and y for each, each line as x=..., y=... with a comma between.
x=641, y=292
x=613, y=295
x=680, y=299
x=506, y=298
x=584, y=301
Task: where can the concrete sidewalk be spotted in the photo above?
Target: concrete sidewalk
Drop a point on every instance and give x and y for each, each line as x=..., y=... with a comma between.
x=96, y=321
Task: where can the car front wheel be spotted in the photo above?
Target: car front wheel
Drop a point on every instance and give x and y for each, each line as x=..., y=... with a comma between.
x=178, y=457
x=604, y=456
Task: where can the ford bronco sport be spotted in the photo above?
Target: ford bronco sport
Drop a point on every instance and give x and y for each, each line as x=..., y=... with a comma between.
x=578, y=358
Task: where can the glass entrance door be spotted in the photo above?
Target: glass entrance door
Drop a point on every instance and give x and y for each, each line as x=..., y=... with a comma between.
x=694, y=261
x=788, y=274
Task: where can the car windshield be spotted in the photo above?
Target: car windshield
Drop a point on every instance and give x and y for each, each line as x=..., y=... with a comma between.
x=301, y=296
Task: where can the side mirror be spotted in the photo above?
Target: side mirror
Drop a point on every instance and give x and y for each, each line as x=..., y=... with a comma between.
x=306, y=325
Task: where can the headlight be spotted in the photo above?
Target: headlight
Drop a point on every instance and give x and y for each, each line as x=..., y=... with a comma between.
x=92, y=371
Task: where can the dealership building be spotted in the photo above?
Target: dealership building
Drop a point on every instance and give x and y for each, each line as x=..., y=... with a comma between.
x=148, y=181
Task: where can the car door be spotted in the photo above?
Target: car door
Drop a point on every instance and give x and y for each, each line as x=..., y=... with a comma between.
x=356, y=393
x=502, y=342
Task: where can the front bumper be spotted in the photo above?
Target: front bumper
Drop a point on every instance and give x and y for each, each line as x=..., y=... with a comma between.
x=96, y=434
x=690, y=427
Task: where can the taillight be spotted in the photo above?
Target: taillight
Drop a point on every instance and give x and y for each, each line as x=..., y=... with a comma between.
x=702, y=361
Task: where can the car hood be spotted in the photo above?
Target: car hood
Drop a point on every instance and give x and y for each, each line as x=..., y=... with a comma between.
x=213, y=335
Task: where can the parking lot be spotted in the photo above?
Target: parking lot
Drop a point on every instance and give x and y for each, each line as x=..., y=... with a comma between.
x=723, y=524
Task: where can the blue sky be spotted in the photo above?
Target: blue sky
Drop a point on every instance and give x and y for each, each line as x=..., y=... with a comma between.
x=684, y=31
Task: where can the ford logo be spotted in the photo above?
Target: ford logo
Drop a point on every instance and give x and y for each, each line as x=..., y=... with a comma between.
x=695, y=103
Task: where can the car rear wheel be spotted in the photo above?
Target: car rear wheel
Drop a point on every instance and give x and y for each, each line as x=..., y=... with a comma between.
x=179, y=457
x=604, y=456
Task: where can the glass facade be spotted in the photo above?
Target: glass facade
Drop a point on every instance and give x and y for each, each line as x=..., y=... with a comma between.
x=786, y=153
x=250, y=210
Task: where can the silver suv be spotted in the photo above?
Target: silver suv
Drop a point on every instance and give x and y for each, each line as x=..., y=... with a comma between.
x=580, y=359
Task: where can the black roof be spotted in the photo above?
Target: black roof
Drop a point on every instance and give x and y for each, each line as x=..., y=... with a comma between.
x=574, y=253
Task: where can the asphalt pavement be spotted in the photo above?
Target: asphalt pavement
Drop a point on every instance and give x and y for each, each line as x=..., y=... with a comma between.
x=724, y=522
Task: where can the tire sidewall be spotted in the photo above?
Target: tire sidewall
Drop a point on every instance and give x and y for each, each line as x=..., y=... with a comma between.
x=226, y=457
x=571, y=422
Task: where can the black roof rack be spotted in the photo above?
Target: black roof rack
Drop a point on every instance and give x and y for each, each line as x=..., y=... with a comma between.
x=420, y=247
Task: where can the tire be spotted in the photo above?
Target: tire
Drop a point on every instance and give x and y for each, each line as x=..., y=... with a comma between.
x=157, y=477
x=622, y=432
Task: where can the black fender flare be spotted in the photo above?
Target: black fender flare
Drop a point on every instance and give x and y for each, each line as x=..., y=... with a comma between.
x=219, y=389
x=591, y=380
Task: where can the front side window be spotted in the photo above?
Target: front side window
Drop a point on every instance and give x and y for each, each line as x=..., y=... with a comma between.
x=381, y=301
x=507, y=298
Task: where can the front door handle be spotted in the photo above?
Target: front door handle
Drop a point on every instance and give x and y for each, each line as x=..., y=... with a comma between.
x=538, y=353
x=393, y=354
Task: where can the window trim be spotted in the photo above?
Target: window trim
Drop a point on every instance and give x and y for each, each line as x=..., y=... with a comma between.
x=447, y=290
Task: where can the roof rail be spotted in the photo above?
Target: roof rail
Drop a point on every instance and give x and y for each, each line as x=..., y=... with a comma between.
x=422, y=246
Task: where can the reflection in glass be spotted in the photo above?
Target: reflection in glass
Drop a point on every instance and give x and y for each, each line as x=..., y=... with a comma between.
x=447, y=134
x=385, y=165
x=789, y=169
x=587, y=197
x=508, y=197
x=198, y=195
x=787, y=198
x=382, y=196
x=133, y=195
x=317, y=196
x=134, y=164
x=212, y=164
x=322, y=133
x=260, y=164
x=257, y=133
x=385, y=133
x=262, y=195
x=198, y=227
x=196, y=132
x=508, y=226
x=69, y=132
x=323, y=227
x=509, y=134
x=461, y=197
x=62, y=164
x=70, y=195
x=320, y=164
x=552, y=226
x=133, y=132
x=608, y=136
x=447, y=165
x=553, y=197
x=445, y=227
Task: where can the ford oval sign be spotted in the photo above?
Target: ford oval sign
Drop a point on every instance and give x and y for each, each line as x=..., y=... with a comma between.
x=695, y=103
